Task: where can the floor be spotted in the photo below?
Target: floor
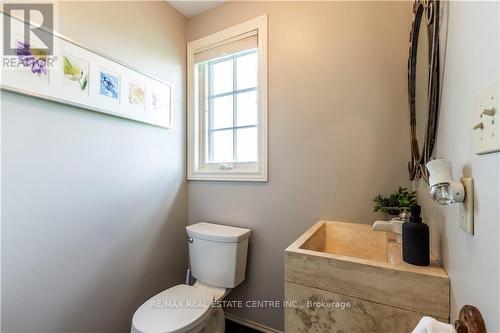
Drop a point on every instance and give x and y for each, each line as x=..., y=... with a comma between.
x=232, y=327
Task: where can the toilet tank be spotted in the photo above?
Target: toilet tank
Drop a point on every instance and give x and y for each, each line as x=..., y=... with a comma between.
x=218, y=253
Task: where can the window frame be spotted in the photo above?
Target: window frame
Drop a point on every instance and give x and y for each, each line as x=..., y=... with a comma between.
x=234, y=93
x=237, y=171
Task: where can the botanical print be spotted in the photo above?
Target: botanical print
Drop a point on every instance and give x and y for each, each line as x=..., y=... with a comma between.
x=136, y=94
x=109, y=85
x=159, y=99
x=76, y=72
x=32, y=58
x=155, y=100
x=86, y=79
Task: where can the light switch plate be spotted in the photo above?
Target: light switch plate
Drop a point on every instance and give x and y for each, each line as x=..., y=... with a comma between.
x=467, y=207
x=486, y=127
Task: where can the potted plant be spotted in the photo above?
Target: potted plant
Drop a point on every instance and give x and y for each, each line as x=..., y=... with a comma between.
x=395, y=203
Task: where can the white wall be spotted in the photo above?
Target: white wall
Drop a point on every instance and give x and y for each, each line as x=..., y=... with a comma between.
x=94, y=207
x=471, y=65
x=338, y=128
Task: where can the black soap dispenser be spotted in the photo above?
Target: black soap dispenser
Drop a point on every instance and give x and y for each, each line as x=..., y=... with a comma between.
x=416, y=240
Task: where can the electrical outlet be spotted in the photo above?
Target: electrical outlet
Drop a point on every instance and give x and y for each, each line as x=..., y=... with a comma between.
x=467, y=207
x=486, y=127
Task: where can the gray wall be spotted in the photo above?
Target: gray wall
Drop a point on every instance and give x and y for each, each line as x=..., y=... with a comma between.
x=471, y=64
x=94, y=207
x=338, y=128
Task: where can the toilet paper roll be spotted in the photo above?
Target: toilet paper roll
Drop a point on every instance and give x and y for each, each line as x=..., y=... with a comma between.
x=431, y=325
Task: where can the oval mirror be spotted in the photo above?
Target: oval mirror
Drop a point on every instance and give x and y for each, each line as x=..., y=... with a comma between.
x=423, y=84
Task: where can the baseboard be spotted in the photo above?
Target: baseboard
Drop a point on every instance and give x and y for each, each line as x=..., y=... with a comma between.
x=251, y=324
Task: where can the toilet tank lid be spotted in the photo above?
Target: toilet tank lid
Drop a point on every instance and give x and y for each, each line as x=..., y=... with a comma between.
x=217, y=232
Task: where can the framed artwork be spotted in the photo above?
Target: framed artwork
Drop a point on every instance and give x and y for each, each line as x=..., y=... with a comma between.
x=84, y=78
x=109, y=84
x=76, y=73
x=136, y=94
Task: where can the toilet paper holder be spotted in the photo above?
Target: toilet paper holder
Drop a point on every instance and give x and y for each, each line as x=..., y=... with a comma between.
x=470, y=320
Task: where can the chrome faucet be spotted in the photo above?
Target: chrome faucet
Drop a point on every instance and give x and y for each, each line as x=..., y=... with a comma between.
x=395, y=226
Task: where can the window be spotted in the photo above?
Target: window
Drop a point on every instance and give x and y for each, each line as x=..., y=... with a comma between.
x=231, y=126
x=227, y=104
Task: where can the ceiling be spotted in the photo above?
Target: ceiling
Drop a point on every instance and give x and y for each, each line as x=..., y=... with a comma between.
x=193, y=8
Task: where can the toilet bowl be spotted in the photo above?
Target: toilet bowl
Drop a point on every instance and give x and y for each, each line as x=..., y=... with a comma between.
x=192, y=309
x=181, y=309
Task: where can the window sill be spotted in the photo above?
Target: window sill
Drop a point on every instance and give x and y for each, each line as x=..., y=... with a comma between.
x=228, y=175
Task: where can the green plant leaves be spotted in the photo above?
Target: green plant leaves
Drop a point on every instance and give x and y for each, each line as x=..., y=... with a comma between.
x=401, y=198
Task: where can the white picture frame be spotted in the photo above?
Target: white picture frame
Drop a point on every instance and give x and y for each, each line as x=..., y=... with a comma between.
x=128, y=92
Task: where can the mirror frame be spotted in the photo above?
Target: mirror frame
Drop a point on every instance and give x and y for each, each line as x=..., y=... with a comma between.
x=424, y=12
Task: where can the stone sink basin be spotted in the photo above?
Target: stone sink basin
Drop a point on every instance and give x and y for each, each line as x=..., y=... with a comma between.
x=352, y=240
x=349, y=260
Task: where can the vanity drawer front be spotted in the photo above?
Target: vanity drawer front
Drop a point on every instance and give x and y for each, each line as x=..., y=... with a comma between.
x=398, y=288
x=316, y=310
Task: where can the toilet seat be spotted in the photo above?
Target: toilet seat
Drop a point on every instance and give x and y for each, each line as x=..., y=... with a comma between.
x=175, y=310
x=217, y=292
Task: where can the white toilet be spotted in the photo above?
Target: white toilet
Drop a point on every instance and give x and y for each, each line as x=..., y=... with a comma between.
x=218, y=256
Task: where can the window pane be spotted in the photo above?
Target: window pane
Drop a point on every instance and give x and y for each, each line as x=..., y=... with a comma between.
x=223, y=146
x=246, y=108
x=246, y=71
x=223, y=112
x=246, y=149
x=222, y=73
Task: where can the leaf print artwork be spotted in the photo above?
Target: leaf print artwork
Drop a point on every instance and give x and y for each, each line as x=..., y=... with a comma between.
x=76, y=71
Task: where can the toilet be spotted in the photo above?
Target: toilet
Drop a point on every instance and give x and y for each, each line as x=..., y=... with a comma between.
x=218, y=256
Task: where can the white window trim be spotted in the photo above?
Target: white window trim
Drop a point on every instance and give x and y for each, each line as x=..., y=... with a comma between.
x=196, y=169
